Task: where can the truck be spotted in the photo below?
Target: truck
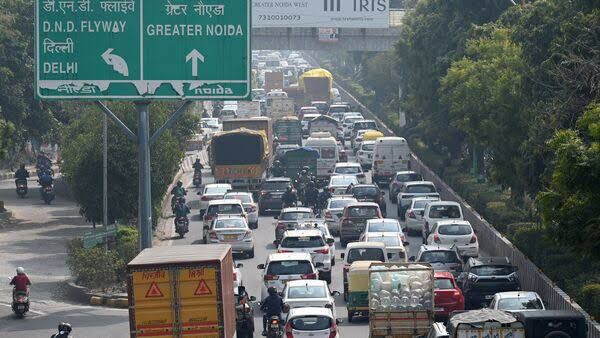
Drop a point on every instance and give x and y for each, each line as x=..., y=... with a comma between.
x=288, y=130
x=400, y=299
x=485, y=323
x=316, y=85
x=239, y=157
x=248, y=109
x=278, y=104
x=182, y=291
x=263, y=124
x=273, y=80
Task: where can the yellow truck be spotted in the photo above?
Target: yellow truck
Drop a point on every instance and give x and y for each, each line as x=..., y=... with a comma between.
x=316, y=85
x=182, y=291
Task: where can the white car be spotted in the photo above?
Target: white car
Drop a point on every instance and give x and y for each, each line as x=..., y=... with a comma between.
x=237, y=276
x=350, y=168
x=335, y=209
x=365, y=153
x=308, y=293
x=459, y=233
x=284, y=267
x=320, y=225
x=339, y=183
x=348, y=124
x=382, y=225
x=210, y=126
x=249, y=206
x=312, y=242
x=223, y=207
x=394, y=244
x=232, y=230
x=513, y=301
x=439, y=211
x=213, y=191
x=413, y=218
x=311, y=322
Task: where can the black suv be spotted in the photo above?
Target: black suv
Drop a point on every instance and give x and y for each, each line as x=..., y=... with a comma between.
x=485, y=276
x=368, y=193
x=270, y=194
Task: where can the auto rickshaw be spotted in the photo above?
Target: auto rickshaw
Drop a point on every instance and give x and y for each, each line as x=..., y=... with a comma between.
x=358, y=289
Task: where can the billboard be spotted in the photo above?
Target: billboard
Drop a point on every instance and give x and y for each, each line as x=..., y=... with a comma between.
x=321, y=13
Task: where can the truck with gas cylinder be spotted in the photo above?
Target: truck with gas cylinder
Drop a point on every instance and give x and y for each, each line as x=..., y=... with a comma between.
x=181, y=291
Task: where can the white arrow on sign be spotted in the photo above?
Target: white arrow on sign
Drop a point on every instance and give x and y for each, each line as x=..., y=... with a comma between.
x=118, y=63
x=195, y=56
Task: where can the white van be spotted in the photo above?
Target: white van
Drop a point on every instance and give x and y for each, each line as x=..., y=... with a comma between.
x=390, y=155
x=228, y=113
x=328, y=153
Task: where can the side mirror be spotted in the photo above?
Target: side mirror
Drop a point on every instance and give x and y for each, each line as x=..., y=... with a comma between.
x=206, y=227
x=260, y=266
x=330, y=240
x=338, y=321
x=406, y=243
x=252, y=299
x=411, y=258
x=239, y=265
x=319, y=265
x=335, y=293
x=276, y=242
x=422, y=212
x=342, y=255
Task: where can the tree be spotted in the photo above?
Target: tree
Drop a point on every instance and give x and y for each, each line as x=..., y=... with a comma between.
x=484, y=93
x=570, y=208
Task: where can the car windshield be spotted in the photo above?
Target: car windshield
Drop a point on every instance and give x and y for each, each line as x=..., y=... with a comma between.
x=368, y=147
x=420, y=204
x=362, y=192
x=408, y=177
x=492, y=270
x=365, y=125
x=520, y=303
x=365, y=254
x=311, y=323
x=234, y=223
x=439, y=257
x=444, y=211
x=307, y=291
x=296, y=215
x=225, y=209
x=270, y=186
x=302, y=242
x=243, y=198
x=363, y=212
x=337, y=110
x=387, y=240
x=443, y=284
x=340, y=204
x=215, y=190
x=327, y=152
x=420, y=189
x=455, y=229
x=384, y=226
x=291, y=267
x=347, y=170
x=342, y=180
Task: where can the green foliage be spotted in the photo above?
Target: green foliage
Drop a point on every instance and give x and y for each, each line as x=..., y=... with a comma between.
x=95, y=268
x=590, y=298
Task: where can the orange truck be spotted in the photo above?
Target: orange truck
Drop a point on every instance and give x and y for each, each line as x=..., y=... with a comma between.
x=182, y=291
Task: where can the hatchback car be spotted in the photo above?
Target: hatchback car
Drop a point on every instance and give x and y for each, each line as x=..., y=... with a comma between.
x=365, y=154
x=232, y=230
x=324, y=228
x=223, y=207
x=517, y=301
x=382, y=225
x=413, y=218
x=368, y=193
x=439, y=211
x=312, y=242
x=306, y=293
x=361, y=251
x=339, y=183
x=290, y=218
x=350, y=168
x=394, y=244
x=214, y=191
x=399, y=178
x=459, y=233
x=313, y=322
x=270, y=194
x=354, y=219
x=334, y=211
x=249, y=206
x=448, y=296
x=284, y=267
x=410, y=190
x=441, y=258
x=482, y=278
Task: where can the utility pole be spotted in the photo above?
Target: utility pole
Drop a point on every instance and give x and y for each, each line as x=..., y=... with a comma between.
x=105, y=173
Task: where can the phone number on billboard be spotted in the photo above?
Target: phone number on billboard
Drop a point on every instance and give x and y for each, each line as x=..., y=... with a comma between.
x=276, y=17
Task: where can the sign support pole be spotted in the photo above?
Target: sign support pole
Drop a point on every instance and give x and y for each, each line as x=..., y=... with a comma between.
x=145, y=197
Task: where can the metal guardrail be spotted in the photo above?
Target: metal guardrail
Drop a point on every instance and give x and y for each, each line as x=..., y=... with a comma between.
x=531, y=277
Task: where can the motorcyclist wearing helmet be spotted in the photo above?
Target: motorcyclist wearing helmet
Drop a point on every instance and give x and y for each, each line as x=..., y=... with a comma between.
x=311, y=194
x=181, y=209
x=64, y=331
x=177, y=192
x=271, y=306
x=21, y=174
x=324, y=196
x=20, y=281
x=197, y=166
x=46, y=179
x=277, y=170
x=289, y=197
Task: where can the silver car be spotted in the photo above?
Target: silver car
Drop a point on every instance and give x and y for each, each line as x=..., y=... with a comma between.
x=249, y=206
x=232, y=230
x=334, y=211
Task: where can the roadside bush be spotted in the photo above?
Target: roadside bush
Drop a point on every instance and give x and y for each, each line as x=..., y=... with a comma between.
x=590, y=299
x=95, y=268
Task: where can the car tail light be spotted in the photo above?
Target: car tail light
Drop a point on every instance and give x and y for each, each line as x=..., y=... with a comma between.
x=271, y=277
x=288, y=330
x=328, y=214
x=212, y=235
x=264, y=192
x=456, y=293
x=235, y=276
x=411, y=214
x=205, y=198
x=323, y=251
x=283, y=251
x=280, y=225
x=310, y=276
x=436, y=238
x=333, y=330
x=251, y=208
x=473, y=239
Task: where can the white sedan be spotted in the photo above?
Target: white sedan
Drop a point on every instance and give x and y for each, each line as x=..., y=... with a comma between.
x=308, y=293
x=249, y=206
x=334, y=210
x=350, y=168
x=312, y=322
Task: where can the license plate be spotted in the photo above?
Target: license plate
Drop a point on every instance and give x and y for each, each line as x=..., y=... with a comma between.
x=488, y=297
x=438, y=309
x=231, y=236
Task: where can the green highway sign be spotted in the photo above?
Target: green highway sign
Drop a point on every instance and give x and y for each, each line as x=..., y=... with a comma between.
x=142, y=49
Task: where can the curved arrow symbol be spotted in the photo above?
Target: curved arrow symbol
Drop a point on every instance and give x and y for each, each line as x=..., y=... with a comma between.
x=195, y=56
x=117, y=62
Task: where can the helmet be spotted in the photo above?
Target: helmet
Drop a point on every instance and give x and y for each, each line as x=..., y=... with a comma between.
x=64, y=327
x=311, y=184
x=306, y=168
x=181, y=200
x=197, y=160
x=179, y=183
x=277, y=162
x=20, y=271
x=289, y=188
x=22, y=166
x=272, y=291
x=303, y=172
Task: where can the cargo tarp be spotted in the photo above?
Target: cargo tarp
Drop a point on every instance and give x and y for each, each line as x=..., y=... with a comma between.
x=239, y=147
x=318, y=72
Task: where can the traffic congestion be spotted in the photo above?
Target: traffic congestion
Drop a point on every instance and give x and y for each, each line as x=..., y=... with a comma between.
x=333, y=234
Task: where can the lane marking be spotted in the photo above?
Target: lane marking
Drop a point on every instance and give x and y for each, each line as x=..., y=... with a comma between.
x=40, y=313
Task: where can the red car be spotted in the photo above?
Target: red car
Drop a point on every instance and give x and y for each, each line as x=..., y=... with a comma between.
x=448, y=296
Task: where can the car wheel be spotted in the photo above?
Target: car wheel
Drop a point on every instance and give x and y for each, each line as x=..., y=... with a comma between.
x=333, y=261
x=251, y=253
x=345, y=293
x=350, y=316
x=261, y=212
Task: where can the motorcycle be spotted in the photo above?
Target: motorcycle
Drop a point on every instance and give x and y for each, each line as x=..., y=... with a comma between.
x=22, y=188
x=274, y=327
x=20, y=303
x=182, y=226
x=197, y=181
x=244, y=318
x=48, y=194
